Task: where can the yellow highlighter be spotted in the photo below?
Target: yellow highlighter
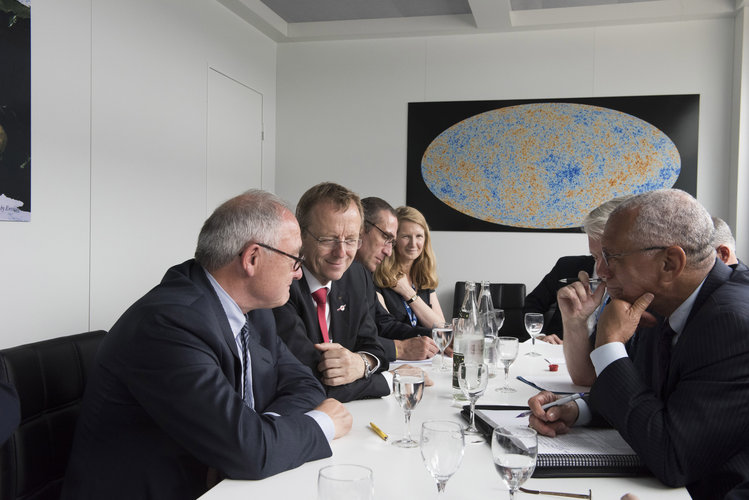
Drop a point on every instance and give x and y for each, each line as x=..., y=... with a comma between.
x=378, y=431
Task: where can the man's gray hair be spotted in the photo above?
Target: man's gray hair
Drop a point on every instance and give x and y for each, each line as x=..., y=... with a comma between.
x=723, y=235
x=595, y=221
x=253, y=216
x=666, y=217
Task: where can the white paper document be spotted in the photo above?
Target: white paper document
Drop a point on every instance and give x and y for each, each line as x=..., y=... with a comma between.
x=580, y=440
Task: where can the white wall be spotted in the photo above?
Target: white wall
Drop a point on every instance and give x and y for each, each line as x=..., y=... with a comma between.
x=119, y=154
x=342, y=114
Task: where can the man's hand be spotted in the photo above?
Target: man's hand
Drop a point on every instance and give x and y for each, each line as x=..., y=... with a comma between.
x=620, y=319
x=339, y=366
x=551, y=339
x=577, y=302
x=416, y=348
x=338, y=413
x=555, y=420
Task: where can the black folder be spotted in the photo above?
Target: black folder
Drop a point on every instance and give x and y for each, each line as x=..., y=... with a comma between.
x=566, y=465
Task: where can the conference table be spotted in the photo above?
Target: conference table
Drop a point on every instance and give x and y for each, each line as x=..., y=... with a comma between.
x=400, y=472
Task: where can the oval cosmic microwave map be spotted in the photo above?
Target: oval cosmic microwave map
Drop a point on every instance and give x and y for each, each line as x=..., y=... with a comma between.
x=546, y=165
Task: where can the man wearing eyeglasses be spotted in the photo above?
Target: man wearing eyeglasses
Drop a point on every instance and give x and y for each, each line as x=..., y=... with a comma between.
x=677, y=389
x=192, y=384
x=326, y=323
x=400, y=341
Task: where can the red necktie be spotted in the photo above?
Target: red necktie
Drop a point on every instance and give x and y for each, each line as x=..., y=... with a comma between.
x=321, y=297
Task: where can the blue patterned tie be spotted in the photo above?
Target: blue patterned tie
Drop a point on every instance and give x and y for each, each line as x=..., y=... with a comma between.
x=244, y=337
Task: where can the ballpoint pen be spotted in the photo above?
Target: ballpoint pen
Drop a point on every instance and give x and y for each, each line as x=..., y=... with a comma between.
x=592, y=281
x=378, y=431
x=558, y=402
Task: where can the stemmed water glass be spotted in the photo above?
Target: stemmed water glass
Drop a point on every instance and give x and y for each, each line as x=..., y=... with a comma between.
x=514, y=452
x=473, y=378
x=442, y=334
x=534, y=322
x=408, y=387
x=345, y=482
x=507, y=351
x=442, y=446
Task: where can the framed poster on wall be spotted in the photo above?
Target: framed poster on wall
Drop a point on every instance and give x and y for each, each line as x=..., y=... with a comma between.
x=543, y=164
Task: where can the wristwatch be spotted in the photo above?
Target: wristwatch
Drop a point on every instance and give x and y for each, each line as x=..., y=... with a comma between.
x=368, y=368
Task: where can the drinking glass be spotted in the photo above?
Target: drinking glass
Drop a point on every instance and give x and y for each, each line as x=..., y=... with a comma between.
x=507, y=351
x=442, y=334
x=495, y=319
x=514, y=452
x=345, y=482
x=473, y=378
x=408, y=387
x=534, y=322
x=442, y=446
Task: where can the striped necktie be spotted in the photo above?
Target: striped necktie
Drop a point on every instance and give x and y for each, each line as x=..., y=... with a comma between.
x=244, y=337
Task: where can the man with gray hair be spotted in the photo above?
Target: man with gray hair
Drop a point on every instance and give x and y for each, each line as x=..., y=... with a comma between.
x=677, y=390
x=724, y=242
x=192, y=384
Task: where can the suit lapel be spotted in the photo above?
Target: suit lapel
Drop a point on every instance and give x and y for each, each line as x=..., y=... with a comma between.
x=339, y=317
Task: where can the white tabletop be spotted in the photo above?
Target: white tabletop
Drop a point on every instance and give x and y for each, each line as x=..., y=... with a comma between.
x=400, y=473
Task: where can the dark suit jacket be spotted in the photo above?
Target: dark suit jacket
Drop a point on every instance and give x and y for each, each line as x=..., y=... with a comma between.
x=164, y=402
x=10, y=411
x=543, y=298
x=351, y=325
x=697, y=433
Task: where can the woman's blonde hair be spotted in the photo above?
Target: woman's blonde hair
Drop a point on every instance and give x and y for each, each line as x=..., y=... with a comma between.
x=423, y=269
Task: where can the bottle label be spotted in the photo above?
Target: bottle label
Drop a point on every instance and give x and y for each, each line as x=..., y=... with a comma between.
x=457, y=361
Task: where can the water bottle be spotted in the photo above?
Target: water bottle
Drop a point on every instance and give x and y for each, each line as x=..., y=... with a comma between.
x=487, y=326
x=463, y=329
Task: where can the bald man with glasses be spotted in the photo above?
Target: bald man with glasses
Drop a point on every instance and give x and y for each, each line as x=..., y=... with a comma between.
x=327, y=322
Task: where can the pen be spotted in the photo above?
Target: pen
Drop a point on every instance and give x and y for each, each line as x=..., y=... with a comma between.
x=378, y=431
x=558, y=402
x=592, y=281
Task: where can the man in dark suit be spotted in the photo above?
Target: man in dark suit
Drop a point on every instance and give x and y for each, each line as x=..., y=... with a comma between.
x=675, y=390
x=10, y=411
x=326, y=322
x=400, y=340
x=543, y=298
x=192, y=384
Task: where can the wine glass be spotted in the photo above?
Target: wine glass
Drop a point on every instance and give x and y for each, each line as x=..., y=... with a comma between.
x=442, y=334
x=473, y=378
x=442, y=446
x=514, y=452
x=495, y=319
x=507, y=351
x=534, y=322
x=345, y=482
x=408, y=387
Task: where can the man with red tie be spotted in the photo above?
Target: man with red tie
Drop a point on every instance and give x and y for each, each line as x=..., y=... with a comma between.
x=326, y=323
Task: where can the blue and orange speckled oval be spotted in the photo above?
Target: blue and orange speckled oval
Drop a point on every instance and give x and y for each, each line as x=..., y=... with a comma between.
x=546, y=165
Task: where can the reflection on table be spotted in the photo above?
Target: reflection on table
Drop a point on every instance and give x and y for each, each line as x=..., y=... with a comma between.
x=400, y=473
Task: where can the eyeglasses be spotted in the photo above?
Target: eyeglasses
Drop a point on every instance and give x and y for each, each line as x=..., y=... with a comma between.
x=298, y=261
x=610, y=257
x=331, y=243
x=389, y=238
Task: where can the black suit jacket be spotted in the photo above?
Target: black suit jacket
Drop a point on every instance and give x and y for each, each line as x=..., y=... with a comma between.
x=543, y=298
x=163, y=404
x=351, y=325
x=10, y=411
x=697, y=433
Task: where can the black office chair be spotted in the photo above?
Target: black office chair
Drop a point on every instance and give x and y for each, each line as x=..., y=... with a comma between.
x=50, y=377
x=507, y=296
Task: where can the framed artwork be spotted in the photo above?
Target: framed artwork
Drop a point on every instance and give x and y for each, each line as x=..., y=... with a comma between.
x=543, y=164
x=15, y=110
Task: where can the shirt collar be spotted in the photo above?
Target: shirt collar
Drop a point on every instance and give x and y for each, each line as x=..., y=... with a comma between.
x=678, y=318
x=312, y=282
x=236, y=318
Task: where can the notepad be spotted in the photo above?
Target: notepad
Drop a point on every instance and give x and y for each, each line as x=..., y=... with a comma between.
x=583, y=452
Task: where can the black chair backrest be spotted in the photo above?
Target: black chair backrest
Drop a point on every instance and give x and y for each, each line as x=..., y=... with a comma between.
x=507, y=296
x=50, y=377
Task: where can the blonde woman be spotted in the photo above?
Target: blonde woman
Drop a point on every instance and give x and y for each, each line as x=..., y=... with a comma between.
x=407, y=279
